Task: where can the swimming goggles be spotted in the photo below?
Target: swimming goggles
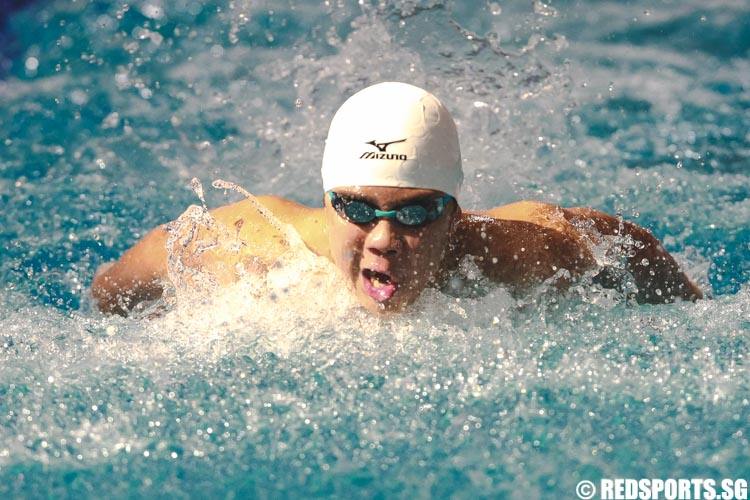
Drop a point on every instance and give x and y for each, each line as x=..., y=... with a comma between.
x=415, y=214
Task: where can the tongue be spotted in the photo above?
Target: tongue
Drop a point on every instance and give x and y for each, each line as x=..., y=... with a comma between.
x=379, y=286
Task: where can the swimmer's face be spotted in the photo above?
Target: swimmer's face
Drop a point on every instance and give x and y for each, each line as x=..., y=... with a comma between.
x=388, y=263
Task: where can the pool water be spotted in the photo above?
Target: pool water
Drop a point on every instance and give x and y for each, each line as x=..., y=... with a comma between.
x=272, y=388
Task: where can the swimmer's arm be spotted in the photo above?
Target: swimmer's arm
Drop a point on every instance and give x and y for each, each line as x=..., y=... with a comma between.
x=135, y=277
x=657, y=275
x=140, y=272
x=521, y=254
x=138, y=275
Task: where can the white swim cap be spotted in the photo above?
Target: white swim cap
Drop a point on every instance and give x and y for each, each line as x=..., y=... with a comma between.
x=393, y=134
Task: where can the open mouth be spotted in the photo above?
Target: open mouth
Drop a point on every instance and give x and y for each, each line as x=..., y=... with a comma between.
x=379, y=286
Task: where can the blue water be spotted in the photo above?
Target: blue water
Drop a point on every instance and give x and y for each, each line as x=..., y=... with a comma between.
x=639, y=108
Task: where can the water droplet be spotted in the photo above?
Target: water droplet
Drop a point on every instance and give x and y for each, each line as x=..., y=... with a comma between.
x=543, y=9
x=152, y=11
x=32, y=64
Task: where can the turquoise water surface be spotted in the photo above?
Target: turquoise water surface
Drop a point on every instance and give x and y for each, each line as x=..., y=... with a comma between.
x=274, y=389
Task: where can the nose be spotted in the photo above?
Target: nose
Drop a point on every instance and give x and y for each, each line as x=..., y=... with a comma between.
x=383, y=239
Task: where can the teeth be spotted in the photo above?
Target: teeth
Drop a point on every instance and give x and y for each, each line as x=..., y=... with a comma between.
x=379, y=279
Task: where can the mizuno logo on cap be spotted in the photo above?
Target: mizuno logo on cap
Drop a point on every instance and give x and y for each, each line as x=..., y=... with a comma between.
x=383, y=145
x=382, y=155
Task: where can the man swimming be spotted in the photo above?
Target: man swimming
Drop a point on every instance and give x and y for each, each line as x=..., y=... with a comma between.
x=391, y=222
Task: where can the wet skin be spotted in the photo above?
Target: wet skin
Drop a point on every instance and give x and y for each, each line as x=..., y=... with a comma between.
x=519, y=246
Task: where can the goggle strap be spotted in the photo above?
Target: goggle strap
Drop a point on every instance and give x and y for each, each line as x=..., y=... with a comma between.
x=380, y=213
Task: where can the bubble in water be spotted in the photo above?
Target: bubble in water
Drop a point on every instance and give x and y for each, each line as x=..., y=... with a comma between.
x=112, y=120
x=153, y=11
x=79, y=97
x=544, y=9
x=32, y=63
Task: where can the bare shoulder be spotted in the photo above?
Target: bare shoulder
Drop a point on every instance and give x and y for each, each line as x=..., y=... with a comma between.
x=529, y=241
x=569, y=221
x=258, y=210
x=259, y=224
x=240, y=237
x=523, y=243
x=535, y=212
x=521, y=210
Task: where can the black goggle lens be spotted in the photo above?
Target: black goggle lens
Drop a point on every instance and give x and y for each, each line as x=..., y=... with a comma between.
x=414, y=215
x=357, y=211
x=360, y=212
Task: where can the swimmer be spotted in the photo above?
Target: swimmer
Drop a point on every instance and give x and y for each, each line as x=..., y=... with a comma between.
x=392, y=224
